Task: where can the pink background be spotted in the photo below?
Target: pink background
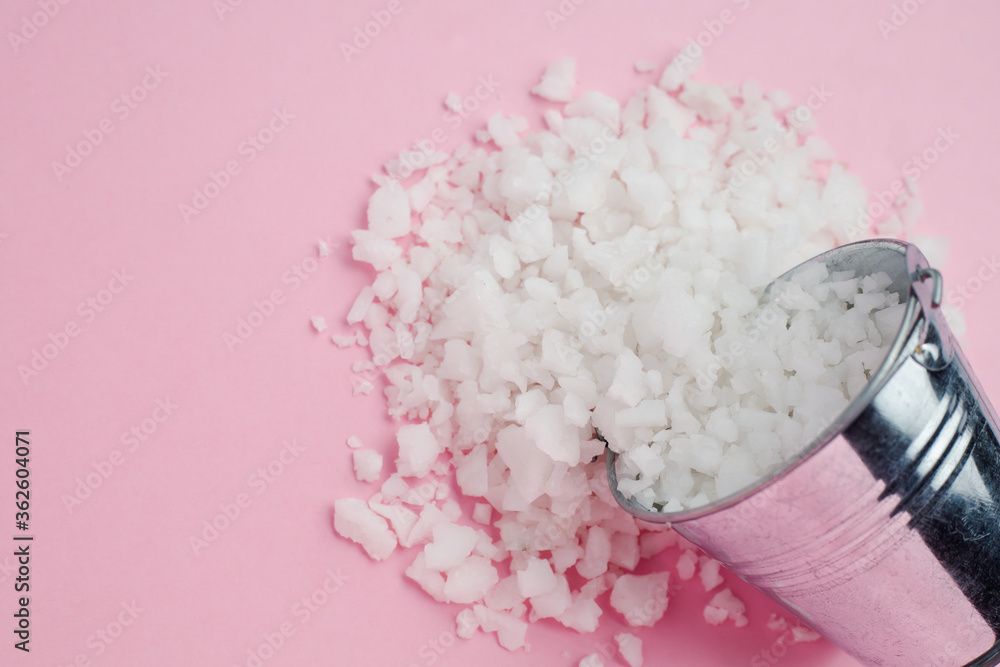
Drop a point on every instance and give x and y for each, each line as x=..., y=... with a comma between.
x=161, y=336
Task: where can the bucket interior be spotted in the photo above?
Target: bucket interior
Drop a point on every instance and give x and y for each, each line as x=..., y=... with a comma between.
x=889, y=256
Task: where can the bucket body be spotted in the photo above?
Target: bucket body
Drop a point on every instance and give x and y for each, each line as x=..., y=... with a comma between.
x=883, y=535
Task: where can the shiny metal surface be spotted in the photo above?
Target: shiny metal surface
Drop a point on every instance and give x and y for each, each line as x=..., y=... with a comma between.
x=884, y=534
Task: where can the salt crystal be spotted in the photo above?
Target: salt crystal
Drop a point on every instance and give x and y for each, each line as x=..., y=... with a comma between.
x=558, y=81
x=343, y=341
x=353, y=519
x=453, y=102
x=630, y=648
x=801, y=634
x=641, y=599
x=367, y=465
x=418, y=450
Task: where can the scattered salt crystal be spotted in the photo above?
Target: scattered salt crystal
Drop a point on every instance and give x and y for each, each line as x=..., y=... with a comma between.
x=343, y=341
x=725, y=606
x=432, y=581
x=354, y=442
x=451, y=545
x=453, y=102
x=777, y=623
x=643, y=66
x=801, y=633
x=683, y=66
x=423, y=530
x=654, y=542
x=401, y=519
x=582, y=615
x=558, y=81
x=553, y=603
x=318, y=323
x=367, y=465
x=471, y=472
x=450, y=507
x=420, y=494
x=597, y=553
x=393, y=487
x=353, y=519
x=361, y=304
x=470, y=580
x=630, y=648
x=709, y=572
x=505, y=595
x=641, y=599
x=625, y=550
x=466, y=623
x=686, y=565
x=418, y=450
x=389, y=212
x=482, y=513
x=715, y=615
x=592, y=660
x=536, y=578
x=510, y=629
x=779, y=99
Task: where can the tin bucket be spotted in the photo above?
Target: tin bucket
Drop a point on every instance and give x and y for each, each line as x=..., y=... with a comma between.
x=883, y=534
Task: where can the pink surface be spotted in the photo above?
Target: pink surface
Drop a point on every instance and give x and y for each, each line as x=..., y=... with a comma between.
x=207, y=83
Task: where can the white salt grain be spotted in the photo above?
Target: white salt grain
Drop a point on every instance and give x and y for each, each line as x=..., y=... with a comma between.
x=418, y=450
x=451, y=545
x=401, y=519
x=353, y=519
x=431, y=581
x=709, y=573
x=776, y=623
x=470, y=580
x=630, y=648
x=641, y=600
x=801, y=634
x=389, y=212
x=686, y=565
x=343, y=341
x=367, y=465
x=453, y=102
x=510, y=630
x=466, y=623
x=361, y=305
x=683, y=66
x=725, y=606
x=482, y=513
x=558, y=81
x=536, y=578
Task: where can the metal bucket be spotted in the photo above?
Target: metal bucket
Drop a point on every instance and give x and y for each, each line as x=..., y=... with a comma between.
x=884, y=533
